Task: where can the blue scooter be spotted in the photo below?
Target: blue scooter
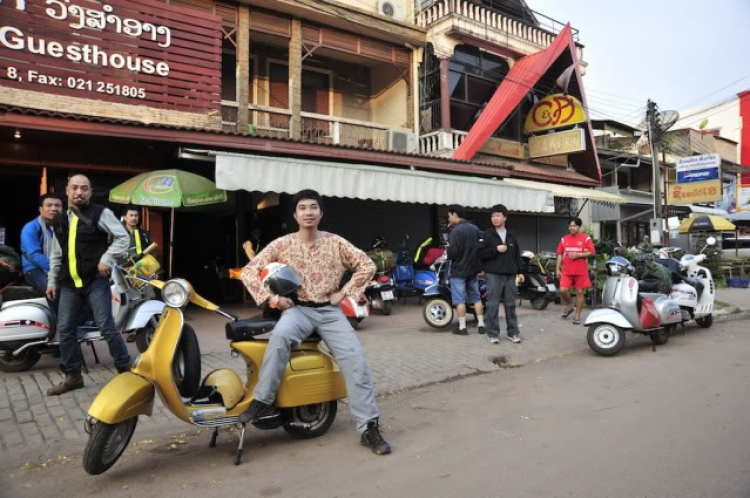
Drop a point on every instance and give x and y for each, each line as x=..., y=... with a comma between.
x=411, y=282
x=438, y=310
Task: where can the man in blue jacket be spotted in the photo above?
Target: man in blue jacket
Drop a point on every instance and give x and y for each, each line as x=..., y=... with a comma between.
x=36, y=243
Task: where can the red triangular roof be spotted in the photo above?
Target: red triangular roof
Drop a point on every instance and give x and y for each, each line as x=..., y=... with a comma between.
x=520, y=79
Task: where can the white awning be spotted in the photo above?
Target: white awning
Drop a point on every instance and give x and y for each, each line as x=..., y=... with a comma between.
x=567, y=191
x=707, y=210
x=360, y=181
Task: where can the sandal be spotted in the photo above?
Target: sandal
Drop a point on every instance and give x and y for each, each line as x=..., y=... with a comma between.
x=567, y=313
x=576, y=321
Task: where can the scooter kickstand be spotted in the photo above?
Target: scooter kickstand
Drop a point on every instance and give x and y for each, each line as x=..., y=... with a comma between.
x=212, y=444
x=653, y=341
x=238, y=458
x=682, y=324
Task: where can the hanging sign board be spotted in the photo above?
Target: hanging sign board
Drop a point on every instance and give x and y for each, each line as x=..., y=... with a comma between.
x=694, y=192
x=138, y=52
x=555, y=111
x=698, y=168
x=556, y=144
x=504, y=148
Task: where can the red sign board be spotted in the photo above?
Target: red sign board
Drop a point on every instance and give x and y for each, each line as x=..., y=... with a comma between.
x=140, y=52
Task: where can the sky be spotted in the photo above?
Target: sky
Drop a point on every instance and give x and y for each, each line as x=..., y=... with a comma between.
x=679, y=53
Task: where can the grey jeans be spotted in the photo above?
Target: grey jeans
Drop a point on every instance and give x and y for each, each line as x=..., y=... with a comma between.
x=295, y=325
x=501, y=287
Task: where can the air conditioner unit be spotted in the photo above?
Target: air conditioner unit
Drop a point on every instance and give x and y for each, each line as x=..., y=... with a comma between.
x=401, y=141
x=392, y=8
x=671, y=176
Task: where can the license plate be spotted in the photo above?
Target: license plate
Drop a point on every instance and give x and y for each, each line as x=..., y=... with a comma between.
x=386, y=295
x=551, y=288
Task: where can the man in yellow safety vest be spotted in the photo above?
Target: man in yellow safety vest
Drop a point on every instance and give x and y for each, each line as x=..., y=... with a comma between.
x=80, y=264
x=139, y=238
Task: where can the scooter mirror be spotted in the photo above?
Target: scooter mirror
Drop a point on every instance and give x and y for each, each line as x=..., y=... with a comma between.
x=711, y=241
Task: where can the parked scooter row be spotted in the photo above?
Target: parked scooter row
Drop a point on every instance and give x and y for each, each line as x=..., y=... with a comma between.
x=28, y=324
x=625, y=308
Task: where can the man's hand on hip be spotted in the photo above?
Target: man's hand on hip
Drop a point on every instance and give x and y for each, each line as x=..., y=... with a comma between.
x=104, y=269
x=336, y=298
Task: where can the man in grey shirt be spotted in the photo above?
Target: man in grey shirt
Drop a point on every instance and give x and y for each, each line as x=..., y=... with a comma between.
x=80, y=264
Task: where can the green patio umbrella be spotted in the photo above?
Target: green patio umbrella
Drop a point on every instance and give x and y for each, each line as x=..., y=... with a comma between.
x=169, y=188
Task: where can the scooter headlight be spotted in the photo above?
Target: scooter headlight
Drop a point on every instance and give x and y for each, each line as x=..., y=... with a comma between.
x=176, y=293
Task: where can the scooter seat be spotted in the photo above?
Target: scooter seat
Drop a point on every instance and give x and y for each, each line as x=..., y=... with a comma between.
x=246, y=330
x=20, y=292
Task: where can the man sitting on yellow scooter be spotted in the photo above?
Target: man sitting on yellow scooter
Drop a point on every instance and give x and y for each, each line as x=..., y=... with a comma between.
x=319, y=259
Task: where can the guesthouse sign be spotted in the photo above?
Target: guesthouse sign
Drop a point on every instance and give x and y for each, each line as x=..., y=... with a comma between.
x=141, y=52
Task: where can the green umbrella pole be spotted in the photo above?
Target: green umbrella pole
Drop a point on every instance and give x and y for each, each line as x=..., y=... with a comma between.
x=171, y=243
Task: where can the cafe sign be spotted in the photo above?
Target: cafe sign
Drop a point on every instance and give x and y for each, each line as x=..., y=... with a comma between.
x=141, y=52
x=692, y=192
x=555, y=111
x=556, y=144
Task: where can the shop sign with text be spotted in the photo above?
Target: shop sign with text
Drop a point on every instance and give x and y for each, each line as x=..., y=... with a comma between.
x=141, y=52
x=693, y=192
x=555, y=111
x=504, y=148
x=698, y=168
x=556, y=144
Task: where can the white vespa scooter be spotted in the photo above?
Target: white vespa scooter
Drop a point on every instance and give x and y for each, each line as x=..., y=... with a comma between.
x=696, y=293
x=27, y=324
x=624, y=308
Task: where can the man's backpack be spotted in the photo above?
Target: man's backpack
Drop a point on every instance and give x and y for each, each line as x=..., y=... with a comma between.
x=10, y=266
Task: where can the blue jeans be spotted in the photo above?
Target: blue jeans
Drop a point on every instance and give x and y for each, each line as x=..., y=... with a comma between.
x=72, y=302
x=460, y=287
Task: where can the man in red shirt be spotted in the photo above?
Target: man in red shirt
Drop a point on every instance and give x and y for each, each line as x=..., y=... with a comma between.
x=575, y=249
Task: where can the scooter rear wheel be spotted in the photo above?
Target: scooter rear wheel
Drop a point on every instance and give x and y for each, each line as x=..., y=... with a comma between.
x=387, y=307
x=106, y=444
x=605, y=339
x=705, y=321
x=20, y=363
x=320, y=416
x=539, y=303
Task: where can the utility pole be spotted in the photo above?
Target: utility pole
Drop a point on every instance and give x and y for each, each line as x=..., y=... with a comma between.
x=651, y=114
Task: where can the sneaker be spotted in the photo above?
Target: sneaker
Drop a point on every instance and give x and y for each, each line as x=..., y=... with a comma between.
x=493, y=340
x=256, y=411
x=481, y=330
x=374, y=440
x=126, y=367
x=459, y=331
x=514, y=338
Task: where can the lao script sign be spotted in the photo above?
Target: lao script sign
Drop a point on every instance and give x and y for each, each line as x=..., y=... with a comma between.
x=128, y=51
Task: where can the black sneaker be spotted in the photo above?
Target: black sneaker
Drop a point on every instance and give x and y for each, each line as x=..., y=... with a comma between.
x=481, y=330
x=460, y=331
x=256, y=411
x=374, y=440
x=125, y=367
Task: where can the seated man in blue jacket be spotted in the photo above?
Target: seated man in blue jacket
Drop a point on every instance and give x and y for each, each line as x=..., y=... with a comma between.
x=36, y=243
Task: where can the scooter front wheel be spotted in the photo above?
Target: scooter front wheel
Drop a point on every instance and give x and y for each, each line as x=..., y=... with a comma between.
x=107, y=442
x=438, y=313
x=606, y=339
x=317, y=417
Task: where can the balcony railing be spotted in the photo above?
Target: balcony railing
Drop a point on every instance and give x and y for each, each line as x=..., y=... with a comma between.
x=441, y=142
x=316, y=128
x=541, y=36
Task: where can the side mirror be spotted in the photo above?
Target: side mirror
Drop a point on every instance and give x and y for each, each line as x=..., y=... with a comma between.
x=711, y=241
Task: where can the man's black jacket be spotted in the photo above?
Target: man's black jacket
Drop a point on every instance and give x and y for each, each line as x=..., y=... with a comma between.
x=508, y=262
x=462, y=250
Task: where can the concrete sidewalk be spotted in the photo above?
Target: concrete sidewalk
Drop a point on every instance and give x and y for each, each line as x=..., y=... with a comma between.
x=402, y=353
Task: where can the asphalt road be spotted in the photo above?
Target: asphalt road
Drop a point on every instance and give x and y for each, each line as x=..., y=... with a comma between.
x=674, y=423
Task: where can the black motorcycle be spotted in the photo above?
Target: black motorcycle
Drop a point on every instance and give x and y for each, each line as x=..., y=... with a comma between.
x=538, y=286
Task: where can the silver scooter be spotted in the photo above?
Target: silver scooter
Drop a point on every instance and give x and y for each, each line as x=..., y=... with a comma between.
x=27, y=324
x=624, y=308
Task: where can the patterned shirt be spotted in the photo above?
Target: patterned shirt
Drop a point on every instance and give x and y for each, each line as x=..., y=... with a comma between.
x=320, y=265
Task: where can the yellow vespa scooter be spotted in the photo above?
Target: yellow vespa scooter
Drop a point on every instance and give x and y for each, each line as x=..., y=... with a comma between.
x=307, y=397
